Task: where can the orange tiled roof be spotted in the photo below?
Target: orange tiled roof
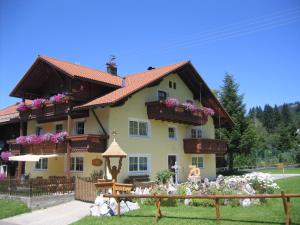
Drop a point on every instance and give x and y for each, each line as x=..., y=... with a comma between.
x=134, y=83
x=83, y=71
x=8, y=110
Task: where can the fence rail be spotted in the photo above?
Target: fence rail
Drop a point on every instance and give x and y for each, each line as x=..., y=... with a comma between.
x=285, y=199
x=37, y=186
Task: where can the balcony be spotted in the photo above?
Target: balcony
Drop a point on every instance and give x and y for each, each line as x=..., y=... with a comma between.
x=78, y=143
x=159, y=111
x=204, y=146
x=52, y=112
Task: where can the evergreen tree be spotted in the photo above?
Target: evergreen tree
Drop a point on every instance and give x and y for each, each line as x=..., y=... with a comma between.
x=286, y=116
x=268, y=118
x=240, y=138
x=277, y=117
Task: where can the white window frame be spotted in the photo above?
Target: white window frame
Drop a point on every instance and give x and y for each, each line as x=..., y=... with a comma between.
x=175, y=131
x=198, y=156
x=197, y=130
x=75, y=163
x=75, y=127
x=142, y=121
x=139, y=155
x=41, y=169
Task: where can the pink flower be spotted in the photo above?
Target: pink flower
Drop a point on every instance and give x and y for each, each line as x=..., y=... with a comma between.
x=36, y=139
x=21, y=140
x=5, y=155
x=59, y=98
x=46, y=137
x=21, y=107
x=208, y=111
x=38, y=103
x=171, y=102
x=189, y=106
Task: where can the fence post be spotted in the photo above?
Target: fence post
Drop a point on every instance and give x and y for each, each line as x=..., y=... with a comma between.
x=157, y=204
x=286, y=206
x=118, y=206
x=217, y=205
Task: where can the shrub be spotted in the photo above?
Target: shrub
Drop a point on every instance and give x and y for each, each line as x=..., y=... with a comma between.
x=202, y=202
x=162, y=177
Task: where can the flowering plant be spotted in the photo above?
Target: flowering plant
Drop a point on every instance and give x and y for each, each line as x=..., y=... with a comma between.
x=190, y=106
x=171, y=102
x=5, y=155
x=59, y=137
x=22, y=106
x=208, y=111
x=59, y=98
x=21, y=140
x=38, y=139
x=38, y=103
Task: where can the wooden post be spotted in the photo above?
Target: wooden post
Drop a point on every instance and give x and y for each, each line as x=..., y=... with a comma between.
x=113, y=187
x=118, y=207
x=69, y=147
x=158, y=213
x=286, y=206
x=217, y=204
x=20, y=163
x=288, y=211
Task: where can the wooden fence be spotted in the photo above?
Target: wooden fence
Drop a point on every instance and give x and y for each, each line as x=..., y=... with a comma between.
x=285, y=199
x=37, y=186
x=85, y=189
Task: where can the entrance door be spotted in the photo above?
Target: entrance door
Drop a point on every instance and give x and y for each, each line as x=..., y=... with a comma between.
x=171, y=162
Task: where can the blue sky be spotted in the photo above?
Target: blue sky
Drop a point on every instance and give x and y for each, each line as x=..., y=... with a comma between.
x=258, y=41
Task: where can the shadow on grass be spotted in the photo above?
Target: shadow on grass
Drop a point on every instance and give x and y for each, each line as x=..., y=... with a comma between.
x=209, y=219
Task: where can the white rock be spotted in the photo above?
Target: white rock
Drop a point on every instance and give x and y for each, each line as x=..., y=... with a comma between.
x=133, y=205
x=146, y=191
x=99, y=200
x=246, y=202
x=95, y=210
x=123, y=207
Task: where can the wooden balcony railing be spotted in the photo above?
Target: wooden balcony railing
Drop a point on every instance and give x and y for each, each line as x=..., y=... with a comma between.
x=52, y=112
x=204, y=146
x=159, y=111
x=79, y=143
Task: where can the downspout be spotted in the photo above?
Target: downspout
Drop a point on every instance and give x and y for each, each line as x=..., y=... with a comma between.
x=99, y=122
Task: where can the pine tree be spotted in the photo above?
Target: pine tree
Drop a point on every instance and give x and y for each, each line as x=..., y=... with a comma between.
x=240, y=138
x=269, y=118
x=286, y=116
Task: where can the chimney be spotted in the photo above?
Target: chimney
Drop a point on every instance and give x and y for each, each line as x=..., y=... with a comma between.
x=111, y=65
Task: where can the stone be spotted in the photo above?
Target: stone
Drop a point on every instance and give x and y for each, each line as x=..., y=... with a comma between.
x=99, y=200
x=246, y=202
x=132, y=205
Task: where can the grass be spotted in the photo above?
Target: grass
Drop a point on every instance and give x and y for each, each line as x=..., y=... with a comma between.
x=11, y=208
x=270, y=213
x=279, y=171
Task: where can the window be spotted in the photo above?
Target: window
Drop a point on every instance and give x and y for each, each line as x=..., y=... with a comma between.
x=58, y=128
x=174, y=85
x=77, y=164
x=196, y=133
x=198, y=162
x=170, y=84
x=138, y=128
x=138, y=164
x=172, y=133
x=38, y=130
x=162, y=95
x=42, y=164
x=79, y=127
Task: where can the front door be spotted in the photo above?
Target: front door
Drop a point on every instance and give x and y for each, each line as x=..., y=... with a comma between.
x=171, y=162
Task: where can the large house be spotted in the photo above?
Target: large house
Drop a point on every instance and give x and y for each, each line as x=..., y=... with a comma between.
x=152, y=127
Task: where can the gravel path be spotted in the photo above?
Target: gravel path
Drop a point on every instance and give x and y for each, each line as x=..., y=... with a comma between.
x=63, y=214
x=280, y=176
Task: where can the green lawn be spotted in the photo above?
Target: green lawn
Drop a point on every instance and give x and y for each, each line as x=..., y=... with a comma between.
x=269, y=213
x=279, y=171
x=11, y=208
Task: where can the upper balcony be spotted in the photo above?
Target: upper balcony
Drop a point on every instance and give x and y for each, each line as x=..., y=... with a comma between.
x=52, y=112
x=159, y=111
x=204, y=146
x=78, y=143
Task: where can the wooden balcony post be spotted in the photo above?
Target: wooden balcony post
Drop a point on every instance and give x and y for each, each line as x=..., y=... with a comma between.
x=20, y=163
x=69, y=124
